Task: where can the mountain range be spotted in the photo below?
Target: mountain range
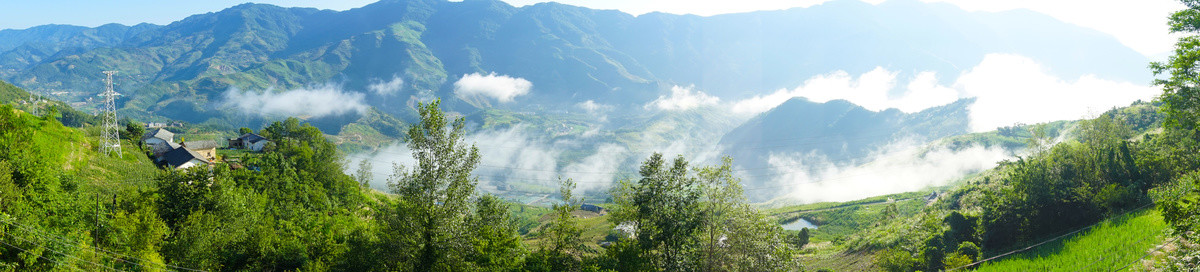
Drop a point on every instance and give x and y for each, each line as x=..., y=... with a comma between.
x=570, y=54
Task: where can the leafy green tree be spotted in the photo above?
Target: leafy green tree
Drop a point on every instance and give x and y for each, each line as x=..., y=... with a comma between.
x=363, y=173
x=733, y=236
x=1181, y=87
x=685, y=221
x=798, y=238
x=968, y=249
x=562, y=248
x=664, y=208
x=244, y=131
x=428, y=227
x=494, y=237
x=134, y=130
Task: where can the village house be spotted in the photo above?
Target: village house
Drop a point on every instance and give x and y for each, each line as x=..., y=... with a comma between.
x=592, y=208
x=249, y=141
x=207, y=149
x=160, y=141
x=182, y=158
x=158, y=136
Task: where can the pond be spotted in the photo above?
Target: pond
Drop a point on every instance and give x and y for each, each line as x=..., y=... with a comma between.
x=800, y=223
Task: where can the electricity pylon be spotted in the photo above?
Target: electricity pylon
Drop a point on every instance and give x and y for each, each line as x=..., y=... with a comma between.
x=109, y=142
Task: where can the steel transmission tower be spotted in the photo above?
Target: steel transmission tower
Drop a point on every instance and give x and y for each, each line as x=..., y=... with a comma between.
x=109, y=142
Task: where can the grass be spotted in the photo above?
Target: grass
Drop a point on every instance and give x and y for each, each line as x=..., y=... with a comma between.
x=836, y=220
x=595, y=229
x=1110, y=245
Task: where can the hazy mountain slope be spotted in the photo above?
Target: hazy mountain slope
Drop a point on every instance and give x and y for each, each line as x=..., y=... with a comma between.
x=838, y=130
x=25, y=47
x=570, y=54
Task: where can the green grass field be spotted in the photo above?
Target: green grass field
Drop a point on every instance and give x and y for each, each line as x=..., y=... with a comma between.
x=1108, y=246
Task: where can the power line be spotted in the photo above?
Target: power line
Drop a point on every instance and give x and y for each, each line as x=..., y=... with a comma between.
x=1110, y=249
x=1046, y=241
x=1160, y=247
x=100, y=251
x=59, y=252
x=40, y=256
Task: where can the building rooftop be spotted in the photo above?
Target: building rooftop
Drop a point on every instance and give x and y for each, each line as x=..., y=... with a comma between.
x=163, y=134
x=180, y=156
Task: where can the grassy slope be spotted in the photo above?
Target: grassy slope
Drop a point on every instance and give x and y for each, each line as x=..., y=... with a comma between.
x=836, y=220
x=1110, y=245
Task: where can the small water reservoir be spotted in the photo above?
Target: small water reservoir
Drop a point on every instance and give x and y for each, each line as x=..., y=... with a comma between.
x=800, y=223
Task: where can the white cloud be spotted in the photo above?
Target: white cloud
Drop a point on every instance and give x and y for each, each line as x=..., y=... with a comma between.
x=898, y=168
x=1012, y=89
x=390, y=87
x=314, y=102
x=1008, y=89
x=593, y=107
x=682, y=98
x=600, y=111
x=870, y=90
x=501, y=87
x=517, y=157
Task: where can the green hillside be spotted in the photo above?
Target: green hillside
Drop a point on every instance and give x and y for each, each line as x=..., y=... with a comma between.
x=1115, y=243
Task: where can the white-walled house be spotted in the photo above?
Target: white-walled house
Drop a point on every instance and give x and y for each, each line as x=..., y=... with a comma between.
x=160, y=141
x=158, y=136
x=249, y=141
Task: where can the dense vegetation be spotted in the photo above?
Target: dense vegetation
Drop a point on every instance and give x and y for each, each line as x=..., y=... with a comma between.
x=293, y=208
x=1101, y=171
x=1109, y=246
x=64, y=206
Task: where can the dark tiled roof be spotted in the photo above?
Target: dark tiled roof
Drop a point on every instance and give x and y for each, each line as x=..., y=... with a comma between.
x=163, y=134
x=160, y=149
x=181, y=155
x=252, y=138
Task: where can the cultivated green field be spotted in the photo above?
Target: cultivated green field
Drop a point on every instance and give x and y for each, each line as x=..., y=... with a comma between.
x=1108, y=246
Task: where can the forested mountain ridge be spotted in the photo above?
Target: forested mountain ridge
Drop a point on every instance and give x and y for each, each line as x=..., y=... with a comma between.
x=570, y=54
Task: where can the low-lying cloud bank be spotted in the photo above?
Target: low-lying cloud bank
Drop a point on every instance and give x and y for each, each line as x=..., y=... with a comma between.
x=511, y=156
x=389, y=87
x=897, y=169
x=501, y=87
x=1008, y=89
x=682, y=98
x=514, y=157
x=315, y=102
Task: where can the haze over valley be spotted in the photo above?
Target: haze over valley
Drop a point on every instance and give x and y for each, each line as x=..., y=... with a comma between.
x=897, y=135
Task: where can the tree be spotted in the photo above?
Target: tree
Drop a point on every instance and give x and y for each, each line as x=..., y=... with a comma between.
x=663, y=206
x=733, y=235
x=799, y=238
x=562, y=248
x=1181, y=87
x=244, y=131
x=494, y=237
x=701, y=221
x=429, y=224
x=134, y=130
x=363, y=173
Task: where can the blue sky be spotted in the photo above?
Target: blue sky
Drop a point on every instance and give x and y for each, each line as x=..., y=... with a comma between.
x=1141, y=24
